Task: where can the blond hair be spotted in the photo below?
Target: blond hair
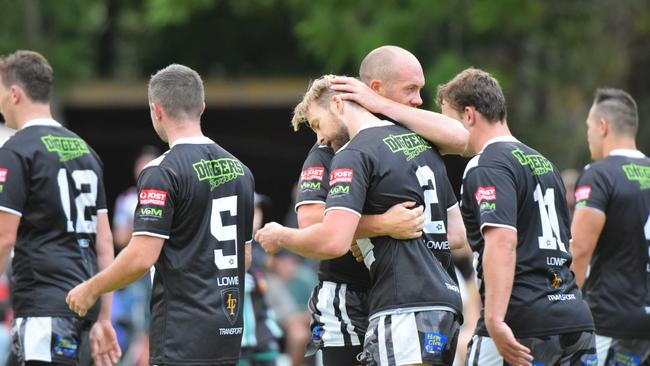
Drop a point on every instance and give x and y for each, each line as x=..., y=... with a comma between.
x=319, y=91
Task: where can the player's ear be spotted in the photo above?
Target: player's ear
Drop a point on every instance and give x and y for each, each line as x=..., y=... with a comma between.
x=469, y=116
x=156, y=110
x=202, y=109
x=337, y=103
x=603, y=127
x=375, y=85
x=16, y=93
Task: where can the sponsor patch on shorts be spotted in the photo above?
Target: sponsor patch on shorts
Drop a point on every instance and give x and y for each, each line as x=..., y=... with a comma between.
x=434, y=343
x=65, y=346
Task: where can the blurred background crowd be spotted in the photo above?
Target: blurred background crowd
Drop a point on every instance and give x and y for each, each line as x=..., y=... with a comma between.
x=257, y=57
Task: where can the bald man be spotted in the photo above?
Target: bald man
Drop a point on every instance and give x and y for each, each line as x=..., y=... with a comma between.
x=339, y=303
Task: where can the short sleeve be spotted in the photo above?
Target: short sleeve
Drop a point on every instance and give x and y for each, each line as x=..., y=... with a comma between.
x=450, y=198
x=155, y=209
x=348, y=180
x=491, y=195
x=248, y=228
x=101, y=197
x=591, y=190
x=13, y=183
x=314, y=184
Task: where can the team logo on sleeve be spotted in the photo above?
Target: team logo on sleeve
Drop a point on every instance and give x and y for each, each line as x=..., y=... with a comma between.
x=312, y=173
x=230, y=304
x=343, y=175
x=485, y=194
x=153, y=197
x=583, y=193
x=3, y=175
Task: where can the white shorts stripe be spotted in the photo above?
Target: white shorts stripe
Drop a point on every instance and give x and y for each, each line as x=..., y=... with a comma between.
x=406, y=341
x=354, y=338
x=381, y=339
x=487, y=352
x=603, y=344
x=332, y=335
x=38, y=339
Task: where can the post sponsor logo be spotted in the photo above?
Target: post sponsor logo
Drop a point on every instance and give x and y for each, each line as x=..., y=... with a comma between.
x=153, y=197
x=67, y=148
x=485, y=194
x=343, y=175
x=583, y=193
x=312, y=173
x=230, y=304
x=151, y=212
x=219, y=171
x=537, y=163
x=3, y=174
x=410, y=144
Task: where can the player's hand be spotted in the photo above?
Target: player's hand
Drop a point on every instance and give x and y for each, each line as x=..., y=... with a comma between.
x=515, y=353
x=103, y=342
x=269, y=237
x=81, y=298
x=360, y=93
x=403, y=221
x=356, y=252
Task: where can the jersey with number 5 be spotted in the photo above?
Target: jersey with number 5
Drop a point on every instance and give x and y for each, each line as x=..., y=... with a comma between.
x=199, y=198
x=618, y=286
x=53, y=180
x=509, y=185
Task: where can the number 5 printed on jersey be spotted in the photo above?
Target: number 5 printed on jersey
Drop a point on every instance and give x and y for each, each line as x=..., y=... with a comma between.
x=224, y=233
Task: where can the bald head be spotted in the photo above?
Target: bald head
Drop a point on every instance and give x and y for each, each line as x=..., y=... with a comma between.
x=384, y=63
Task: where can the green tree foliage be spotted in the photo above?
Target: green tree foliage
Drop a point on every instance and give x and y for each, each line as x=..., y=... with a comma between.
x=548, y=55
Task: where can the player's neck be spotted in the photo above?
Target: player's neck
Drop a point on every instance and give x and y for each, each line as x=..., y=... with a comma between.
x=616, y=143
x=177, y=130
x=31, y=112
x=357, y=119
x=488, y=131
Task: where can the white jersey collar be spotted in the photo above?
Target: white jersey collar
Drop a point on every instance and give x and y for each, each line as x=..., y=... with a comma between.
x=197, y=140
x=630, y=153
x=507, y=138
x=42, y=122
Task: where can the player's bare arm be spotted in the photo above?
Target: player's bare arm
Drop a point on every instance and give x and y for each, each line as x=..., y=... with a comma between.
x=132, y=263
x=446, y=133
x=8, y=230
x=456, y=233
x=326, y=240
x=499, y=260
x=586, y=227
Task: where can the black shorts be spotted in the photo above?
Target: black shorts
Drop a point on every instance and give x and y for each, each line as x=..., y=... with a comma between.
x=425, y=337
x=47, y=339
x=339, y=322
x=570, y=349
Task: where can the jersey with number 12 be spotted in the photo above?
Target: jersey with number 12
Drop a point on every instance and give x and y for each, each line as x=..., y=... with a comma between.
x=53, y=180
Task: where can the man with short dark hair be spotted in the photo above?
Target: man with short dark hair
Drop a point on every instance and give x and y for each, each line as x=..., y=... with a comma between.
x=516, y=216
x=194, y=214
x=611, y=231
x=53, y=215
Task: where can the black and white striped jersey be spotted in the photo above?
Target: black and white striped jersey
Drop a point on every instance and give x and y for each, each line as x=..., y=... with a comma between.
x=386, y=164
x=511, y=185
x=618, y=287
x=199, y=198
x=53, y=180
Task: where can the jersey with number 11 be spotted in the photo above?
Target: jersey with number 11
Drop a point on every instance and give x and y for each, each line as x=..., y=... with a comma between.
x=509, y=185
x=53, y=180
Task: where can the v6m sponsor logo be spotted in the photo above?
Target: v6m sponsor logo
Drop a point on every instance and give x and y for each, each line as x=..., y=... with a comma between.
x=151, y=212
x=335, y=191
